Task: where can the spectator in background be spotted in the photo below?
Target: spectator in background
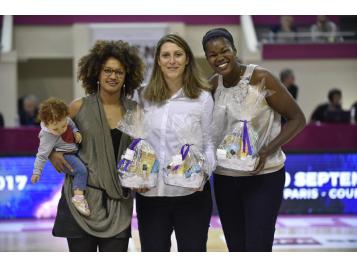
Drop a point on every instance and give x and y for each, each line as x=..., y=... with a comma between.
x=287, y=77
x=285, y=31
x=331, y=112
x=323, y=30
x=2, y=123
x=28, y=111
x=354, y=113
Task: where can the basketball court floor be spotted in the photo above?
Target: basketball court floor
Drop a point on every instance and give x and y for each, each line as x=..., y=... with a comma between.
x=293, y=233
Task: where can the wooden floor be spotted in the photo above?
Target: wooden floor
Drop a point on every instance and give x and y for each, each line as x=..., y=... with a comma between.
x=293, y=233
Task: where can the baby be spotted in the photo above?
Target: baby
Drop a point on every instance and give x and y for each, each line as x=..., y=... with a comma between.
x=59, y=133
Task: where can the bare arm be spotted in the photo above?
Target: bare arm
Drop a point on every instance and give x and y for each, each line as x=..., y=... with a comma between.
x=74, y=107
x=56, y=158
x=283, y=103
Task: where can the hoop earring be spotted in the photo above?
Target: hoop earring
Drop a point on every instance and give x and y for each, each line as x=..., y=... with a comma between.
x=98, y=85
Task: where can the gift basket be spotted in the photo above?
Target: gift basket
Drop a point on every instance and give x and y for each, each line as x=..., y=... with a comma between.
x=188, y=167
x=238, y=147
x=238, y=150
x=138, y=166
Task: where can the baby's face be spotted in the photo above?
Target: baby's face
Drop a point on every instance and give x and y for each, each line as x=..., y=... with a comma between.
x=57, y=128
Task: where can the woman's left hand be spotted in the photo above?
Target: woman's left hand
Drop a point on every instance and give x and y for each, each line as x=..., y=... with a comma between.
x=206, y=180
x=140, y=190
x=200, y=189
x=263, y=154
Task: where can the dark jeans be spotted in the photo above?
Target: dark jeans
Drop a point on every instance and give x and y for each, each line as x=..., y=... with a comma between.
x=188, y=215
x=248, y=209
x=92, y=244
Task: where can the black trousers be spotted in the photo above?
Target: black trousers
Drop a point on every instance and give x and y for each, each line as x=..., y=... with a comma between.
x=93, y=244
x=248, y=208
x=188, y=215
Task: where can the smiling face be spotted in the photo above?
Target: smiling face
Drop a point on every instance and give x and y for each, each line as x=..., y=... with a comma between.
x=172, y=61
x=58, y=128
x=112, y=76
x=221, y=56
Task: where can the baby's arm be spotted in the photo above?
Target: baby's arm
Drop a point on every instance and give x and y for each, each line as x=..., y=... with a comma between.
x=47, y=142
x=72, y=125
x=76, y=133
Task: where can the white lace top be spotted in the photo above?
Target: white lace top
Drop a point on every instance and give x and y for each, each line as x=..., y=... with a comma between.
x=240, y=103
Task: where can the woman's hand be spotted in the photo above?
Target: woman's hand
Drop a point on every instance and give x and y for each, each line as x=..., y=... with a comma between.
x=205, y=180
x=59, y=163
x=200, y=189
x=263, y=154
x=140, y=190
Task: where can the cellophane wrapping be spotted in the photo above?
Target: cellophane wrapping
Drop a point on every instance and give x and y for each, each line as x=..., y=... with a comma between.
x=138, y=166
x=188, y=168
x=238, y=147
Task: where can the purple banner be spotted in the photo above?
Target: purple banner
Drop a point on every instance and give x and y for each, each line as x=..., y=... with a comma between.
x=309, y=51
x=324, y=138
x=71, y=19
x=299, y=20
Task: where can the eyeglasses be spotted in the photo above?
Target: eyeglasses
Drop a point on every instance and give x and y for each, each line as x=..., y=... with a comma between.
x=108, y=72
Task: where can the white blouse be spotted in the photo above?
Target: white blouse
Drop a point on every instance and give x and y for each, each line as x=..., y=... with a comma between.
x=162, y=124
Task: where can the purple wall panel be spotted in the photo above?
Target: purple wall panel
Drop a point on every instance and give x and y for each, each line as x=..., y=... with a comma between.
x=309, y=51
x=324, y=137
x=70, y=19
x=299, y=20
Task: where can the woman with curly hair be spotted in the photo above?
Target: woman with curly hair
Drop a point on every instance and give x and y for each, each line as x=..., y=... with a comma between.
x=109, y=74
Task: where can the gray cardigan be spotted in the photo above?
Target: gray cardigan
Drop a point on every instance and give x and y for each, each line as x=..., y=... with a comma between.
x=49, y=142
x=111, y=207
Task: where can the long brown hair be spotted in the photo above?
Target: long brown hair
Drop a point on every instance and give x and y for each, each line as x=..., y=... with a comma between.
x=193, y=82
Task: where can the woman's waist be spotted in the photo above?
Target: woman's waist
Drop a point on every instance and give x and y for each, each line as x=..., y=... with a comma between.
x=169, y=191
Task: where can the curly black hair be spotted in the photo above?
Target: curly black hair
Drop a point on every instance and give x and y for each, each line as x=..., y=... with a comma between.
x=90, y=65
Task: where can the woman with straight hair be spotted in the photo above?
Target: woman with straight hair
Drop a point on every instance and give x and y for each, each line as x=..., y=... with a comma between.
x=176, y=90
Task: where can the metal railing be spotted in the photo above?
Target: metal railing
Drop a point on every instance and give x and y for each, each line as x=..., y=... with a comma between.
x=307, y=37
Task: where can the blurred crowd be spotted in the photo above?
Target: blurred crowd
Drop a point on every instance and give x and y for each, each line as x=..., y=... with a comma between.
x=323, y=30
x=328, y=112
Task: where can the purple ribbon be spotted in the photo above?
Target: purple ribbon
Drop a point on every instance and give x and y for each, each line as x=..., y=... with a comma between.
x=126, y=161
x=184, y=152
x=134, y=143
x=246, y=140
